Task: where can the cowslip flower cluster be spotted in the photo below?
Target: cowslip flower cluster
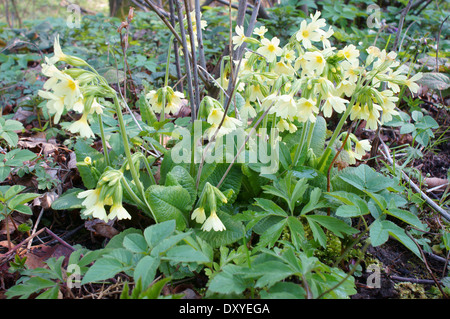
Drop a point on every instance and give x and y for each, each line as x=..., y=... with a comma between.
x=308, y=77
x=108, y=192
x=214, y=112
x=208, y=201
x=165, y=100
x=71, y=90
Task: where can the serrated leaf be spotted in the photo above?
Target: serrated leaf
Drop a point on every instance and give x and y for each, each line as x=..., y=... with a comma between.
x=135, y=243
x=156, y=233
x=146, y=270
x=366, y=178
x=337, y=226
x=229, y=281
x=186, y=254
x=270, y=207
x=32, y=285
x=378, y=235
x=407, y=217
x=21, y=199
x=102, y=269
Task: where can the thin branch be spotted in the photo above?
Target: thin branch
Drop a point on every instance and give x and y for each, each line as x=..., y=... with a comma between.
x=439, y=209
x=186, y=59
x=400, y=24
x=193, y=53
x=201, y=51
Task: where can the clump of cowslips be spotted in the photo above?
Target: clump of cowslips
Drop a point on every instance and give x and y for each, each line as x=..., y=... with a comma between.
x=108, y=192
x=78, y=90
x=308, y=77
x=208, y=201
x=165, y=100
x=72, y=89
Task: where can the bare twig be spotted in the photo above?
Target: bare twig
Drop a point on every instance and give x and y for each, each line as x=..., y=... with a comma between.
x=439, y=209
x=193, y=53
x=186, y=59
x=426, y=265
x=400, y=24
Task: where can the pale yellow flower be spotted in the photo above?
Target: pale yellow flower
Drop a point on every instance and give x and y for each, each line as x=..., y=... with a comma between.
x=335, y=103
x=82, y=127
x=285, y=106
x=260, y=31
x=213, y=222
x=96, y=107
x=309, y=32
x=174, y=102
x=349, y=52
x=362, y=146
x=97, y=211
x=239, y=39
x=58, y=54
x=307, y=110
x=410, y=83
x=199, y=215
x=55, y=104
x=315, y=62
x=117, y=210
x=270, y=49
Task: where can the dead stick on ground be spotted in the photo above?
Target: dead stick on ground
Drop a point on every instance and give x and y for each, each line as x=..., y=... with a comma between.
x=439, y=209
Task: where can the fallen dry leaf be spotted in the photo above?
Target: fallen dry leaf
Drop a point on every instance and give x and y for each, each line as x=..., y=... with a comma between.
x=434, y=182
x=100, y=228
x=39, y=141
x=45, y=200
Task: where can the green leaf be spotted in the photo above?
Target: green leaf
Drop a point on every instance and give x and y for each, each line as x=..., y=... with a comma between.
x=154, y=290
x=24, y=209
x=319, y=136
x=170, y=203
x=156, y=233
x=435, y=80
x=318, y=233
x=4, y=171
x=146, y=270
x=102, y=269
x=21, y=199
x=51, y=293
x=270, y=207
x=20, y=157
x=214, y=172
x=271, y=235
x=13, y=190
x=135, y=243
x=229, y=281
x=30, y=286
x=186, y=254
x=399, y=233
x=68, y=200
x=337, y=226
x=180, y=176
x=12, y=125
x=378, y=234
x=270, y=272
x=349, y=211
x=407, y=217
x=366, y=178
x=297, y=230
